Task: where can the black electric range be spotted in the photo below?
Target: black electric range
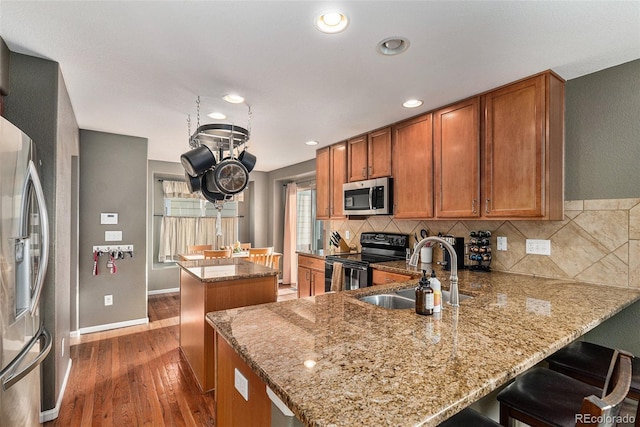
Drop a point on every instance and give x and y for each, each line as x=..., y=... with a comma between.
x=376, y=247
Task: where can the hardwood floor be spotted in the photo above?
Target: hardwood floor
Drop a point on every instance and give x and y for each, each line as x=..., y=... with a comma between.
x=137, y=376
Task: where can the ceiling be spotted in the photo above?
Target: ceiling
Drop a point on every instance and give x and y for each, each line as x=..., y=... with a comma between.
x=137, y=67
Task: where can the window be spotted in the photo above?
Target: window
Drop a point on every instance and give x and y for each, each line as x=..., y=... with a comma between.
x=309, y=231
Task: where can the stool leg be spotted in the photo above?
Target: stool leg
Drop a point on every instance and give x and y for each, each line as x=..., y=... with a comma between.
x=505, y=420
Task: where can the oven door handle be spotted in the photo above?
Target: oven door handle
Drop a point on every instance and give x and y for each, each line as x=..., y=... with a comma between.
x=371, y=198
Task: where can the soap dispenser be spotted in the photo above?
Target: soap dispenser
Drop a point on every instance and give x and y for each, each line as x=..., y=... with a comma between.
x=437, y=292
x=424, y=296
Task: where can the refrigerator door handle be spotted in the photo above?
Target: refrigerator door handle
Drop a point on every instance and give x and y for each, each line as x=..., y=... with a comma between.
x=34, y=178
x=8, y=377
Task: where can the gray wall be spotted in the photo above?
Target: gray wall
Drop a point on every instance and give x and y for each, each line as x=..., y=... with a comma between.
x=161, y=277
x=603, y=134
x=113, y=178
x=39, y=104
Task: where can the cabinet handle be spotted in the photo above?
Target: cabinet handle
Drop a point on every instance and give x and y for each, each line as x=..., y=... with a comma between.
x=473, y=206
x=370, y=170
x=306, y=275
x=364, y=171
x=486, y=206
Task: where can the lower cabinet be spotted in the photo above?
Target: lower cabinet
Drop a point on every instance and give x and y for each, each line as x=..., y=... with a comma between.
x=384, y=277
x=310, y=276
x=232, y=409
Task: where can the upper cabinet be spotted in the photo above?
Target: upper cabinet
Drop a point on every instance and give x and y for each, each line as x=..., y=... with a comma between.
x=498, y=155
x=369, y=156
x=524, y=149
x=412, y=153
x=456, y=144
x=331, y=173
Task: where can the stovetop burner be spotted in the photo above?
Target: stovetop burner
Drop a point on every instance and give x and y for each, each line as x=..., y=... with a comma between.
x=377, y=247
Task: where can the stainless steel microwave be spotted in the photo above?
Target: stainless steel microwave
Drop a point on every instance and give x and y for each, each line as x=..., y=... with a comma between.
x=370, y=197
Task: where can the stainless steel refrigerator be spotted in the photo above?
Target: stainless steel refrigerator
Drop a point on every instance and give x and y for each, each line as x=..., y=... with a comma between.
x=24, y=250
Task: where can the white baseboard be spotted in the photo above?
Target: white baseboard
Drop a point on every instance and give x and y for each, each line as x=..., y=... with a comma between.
x=52, y=414
x=117, y=325
x=163, y=291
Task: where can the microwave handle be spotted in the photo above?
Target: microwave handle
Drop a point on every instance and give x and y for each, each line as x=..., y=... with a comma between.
x=371, y=197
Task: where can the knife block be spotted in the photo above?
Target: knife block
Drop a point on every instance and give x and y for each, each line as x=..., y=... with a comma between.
x=344, y=247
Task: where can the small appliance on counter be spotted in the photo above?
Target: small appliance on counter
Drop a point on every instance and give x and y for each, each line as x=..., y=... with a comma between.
x=458, y=245
x=480, y=250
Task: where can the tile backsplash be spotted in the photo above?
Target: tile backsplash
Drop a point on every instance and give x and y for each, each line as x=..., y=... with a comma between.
x=597, y=242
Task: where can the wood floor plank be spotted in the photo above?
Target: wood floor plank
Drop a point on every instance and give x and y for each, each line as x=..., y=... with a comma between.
x=135, y=377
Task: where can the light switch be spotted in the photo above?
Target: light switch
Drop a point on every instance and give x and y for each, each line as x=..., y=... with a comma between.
x=113, y=236
x=538, y=247
x=108, y=218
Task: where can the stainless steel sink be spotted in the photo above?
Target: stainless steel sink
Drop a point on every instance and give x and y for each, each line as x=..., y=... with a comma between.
x=392, y=301
x=411, y=294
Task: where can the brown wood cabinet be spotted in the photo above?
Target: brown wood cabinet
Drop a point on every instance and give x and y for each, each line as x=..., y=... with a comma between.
x=412, y=153
x=310, y=276
x=197, y=298
x=524, y=149
x=369, y=156
x=231, y=407
x=331, y=173
x=456, y=146
x=380, y=277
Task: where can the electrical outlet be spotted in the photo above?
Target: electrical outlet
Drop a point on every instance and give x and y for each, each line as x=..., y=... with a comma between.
x=241, y=384
x=538, y=247
x=108, y=300
x=502, y=243
x=347, y=234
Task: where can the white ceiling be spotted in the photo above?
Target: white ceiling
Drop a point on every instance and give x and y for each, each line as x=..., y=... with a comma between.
x=136, y=67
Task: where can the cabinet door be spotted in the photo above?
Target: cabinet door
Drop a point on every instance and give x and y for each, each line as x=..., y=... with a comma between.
x=304, y=282
x=514, y=150
x=456, y=146
x=412, y=166
x=338, y=177
x=323, y=185
x=317, y=282
x=379, y=154
x=357, y=169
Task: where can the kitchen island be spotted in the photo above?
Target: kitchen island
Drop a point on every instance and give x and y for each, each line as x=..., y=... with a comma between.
x=216, y=284
x=335, y=360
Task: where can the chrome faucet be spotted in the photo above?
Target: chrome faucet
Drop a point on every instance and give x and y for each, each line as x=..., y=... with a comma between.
x=454, y=297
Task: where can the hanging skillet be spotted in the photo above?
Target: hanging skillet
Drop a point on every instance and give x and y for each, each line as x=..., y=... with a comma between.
x=209, y=189
x=193, y=182
x=230, y=176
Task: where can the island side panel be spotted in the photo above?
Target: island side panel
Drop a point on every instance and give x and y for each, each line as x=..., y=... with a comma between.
x=232, y=294
x=231, y=408
x=192, y=326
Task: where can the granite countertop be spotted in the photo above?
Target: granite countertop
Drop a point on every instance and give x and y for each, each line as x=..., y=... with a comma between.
x=337, y=361
x=225, y=269
x=320, y=254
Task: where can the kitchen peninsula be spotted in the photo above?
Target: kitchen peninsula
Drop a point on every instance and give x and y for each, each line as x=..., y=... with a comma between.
x=335, y=360
x=216, y=284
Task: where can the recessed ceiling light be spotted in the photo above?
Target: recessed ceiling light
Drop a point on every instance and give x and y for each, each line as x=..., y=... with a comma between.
x=393, y=45
x=233, y=98
x=217, y=116
x=311, y=142
x=412, y=103
x=331, y=21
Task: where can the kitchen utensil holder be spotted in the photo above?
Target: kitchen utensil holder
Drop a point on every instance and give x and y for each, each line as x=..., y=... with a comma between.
x=480, y=251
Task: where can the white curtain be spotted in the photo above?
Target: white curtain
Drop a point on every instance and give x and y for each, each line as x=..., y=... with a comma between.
x=289, y=259
x=178, y=233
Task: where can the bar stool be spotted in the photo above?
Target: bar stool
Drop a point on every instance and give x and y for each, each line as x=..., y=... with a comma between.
x=588, y=363
x=542, y=397
x=469, y=418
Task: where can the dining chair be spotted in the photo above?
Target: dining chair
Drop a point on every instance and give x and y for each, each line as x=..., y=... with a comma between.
x=261, y=256
x=245, y=246
x=222, y=253
x=198, y=248
x=543, y=397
